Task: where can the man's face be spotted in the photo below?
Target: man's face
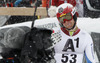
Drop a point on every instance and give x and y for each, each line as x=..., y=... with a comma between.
x=69, y=24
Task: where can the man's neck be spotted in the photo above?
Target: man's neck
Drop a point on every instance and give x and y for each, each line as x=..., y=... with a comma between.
x=71, y=32
x=74, y=29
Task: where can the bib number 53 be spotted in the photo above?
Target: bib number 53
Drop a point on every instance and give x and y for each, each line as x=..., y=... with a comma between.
x=65, y=58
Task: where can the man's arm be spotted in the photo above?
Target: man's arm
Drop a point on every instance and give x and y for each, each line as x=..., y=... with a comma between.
x=89, y=50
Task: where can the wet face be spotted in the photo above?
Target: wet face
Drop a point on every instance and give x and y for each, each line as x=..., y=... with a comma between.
x=69, y=24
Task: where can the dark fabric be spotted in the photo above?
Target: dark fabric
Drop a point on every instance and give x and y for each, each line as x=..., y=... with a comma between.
x=95, y=4
x=36, y=43
x=89, y=13
x=12, y=56
x=33, y=49
x=96, y=39
x=20, y=19
x=12, y=37
x=11, y=43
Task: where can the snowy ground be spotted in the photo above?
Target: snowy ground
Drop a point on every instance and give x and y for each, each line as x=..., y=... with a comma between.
x=87, y=24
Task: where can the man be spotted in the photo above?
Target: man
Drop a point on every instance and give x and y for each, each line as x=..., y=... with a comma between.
x=75, y=43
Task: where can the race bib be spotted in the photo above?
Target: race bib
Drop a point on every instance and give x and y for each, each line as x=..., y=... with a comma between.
x=69, y=58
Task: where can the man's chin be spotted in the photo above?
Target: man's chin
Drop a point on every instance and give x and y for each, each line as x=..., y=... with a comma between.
x=69, y=29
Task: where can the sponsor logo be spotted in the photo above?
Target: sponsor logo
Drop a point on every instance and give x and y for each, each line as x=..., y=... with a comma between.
x=60, y=10
x=49, y=25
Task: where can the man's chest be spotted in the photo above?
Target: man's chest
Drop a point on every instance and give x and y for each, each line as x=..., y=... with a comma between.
x=71, y=44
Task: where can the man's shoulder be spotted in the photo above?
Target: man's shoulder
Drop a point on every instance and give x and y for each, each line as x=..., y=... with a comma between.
x=85, y=33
